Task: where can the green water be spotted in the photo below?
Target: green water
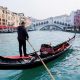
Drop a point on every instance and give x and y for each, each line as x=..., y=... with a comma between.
x=66, y=67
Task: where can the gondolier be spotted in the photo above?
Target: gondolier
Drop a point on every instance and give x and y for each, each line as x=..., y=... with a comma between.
x=22, y=37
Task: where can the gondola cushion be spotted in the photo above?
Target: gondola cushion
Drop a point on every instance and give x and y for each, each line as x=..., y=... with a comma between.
x=46, y=48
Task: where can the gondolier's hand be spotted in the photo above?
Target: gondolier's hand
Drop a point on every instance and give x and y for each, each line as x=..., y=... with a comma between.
x=27, y=39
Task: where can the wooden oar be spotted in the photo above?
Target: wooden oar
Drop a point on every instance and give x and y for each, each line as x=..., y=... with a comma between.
x=43, y=62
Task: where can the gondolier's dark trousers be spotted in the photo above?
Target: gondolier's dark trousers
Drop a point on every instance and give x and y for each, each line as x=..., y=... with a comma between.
x=22, y=45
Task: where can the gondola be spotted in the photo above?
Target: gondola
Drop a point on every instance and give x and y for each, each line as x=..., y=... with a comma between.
x=32, y=60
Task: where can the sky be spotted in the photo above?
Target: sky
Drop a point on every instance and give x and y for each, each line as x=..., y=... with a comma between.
x=42, y=9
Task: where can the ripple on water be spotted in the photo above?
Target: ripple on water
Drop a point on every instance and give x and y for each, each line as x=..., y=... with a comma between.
x=9, y=73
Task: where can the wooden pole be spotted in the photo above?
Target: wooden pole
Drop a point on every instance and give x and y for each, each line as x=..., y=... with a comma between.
x=52, y=78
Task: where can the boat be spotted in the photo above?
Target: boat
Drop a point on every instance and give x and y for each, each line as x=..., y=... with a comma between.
x=32, y=60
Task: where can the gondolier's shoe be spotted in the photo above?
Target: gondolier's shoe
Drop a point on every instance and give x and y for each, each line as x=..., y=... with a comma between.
x=26, y=55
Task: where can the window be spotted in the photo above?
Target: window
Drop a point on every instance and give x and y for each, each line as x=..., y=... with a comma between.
x=41, y=23
x=68, y=24
x=44, y=23
x=8, y=23
x=61, y=23
x=8, y=18
x=3, y=23
x=6, y=12
x=3, y=20
x=54, y=21
x=36, y=24
x=57, y=22
x=47, y=22
x=3, y=11
x=65, y=24
x=3, y=16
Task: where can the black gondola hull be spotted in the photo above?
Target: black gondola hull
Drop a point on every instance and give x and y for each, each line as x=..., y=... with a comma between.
x=28, y=65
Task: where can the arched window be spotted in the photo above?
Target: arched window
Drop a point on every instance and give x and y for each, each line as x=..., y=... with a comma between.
x=57, y=22
x=65, y=24
x=44, y=22
x=47, y=22
x=68, y=24
x=41, y=23
x=54, y=21
x=62, y=23
x=36, y=24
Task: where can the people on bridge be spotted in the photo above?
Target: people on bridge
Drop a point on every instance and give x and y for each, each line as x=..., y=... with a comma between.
x=22, y=37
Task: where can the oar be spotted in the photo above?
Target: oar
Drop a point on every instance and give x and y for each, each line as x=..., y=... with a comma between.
x=43, y=62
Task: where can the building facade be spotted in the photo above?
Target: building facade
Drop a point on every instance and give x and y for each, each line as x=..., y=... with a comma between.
x=3, y=16
x=77, y=20
x=12, y=19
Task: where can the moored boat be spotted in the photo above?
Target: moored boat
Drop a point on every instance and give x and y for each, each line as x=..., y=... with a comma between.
x=32, y=60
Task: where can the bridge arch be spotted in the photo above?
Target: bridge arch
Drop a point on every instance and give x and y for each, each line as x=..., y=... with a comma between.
x=51, y=27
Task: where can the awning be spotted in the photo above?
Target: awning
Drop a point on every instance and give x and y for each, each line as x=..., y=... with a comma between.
x=2, y=27
x=5, y=27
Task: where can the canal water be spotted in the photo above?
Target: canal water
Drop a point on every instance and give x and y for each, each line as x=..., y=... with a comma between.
x=66, y=67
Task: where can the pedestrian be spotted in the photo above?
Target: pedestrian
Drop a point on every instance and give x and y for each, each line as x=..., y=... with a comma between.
x=22, y=37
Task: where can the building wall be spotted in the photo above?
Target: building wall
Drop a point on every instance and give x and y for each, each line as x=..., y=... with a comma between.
x=16, y=19
x=3, y=16
x=27, y=21
x=77, y=19
x=71, y=17
x=9, y=18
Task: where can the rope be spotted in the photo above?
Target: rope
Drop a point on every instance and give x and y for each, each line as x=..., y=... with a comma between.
x=52, y=78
